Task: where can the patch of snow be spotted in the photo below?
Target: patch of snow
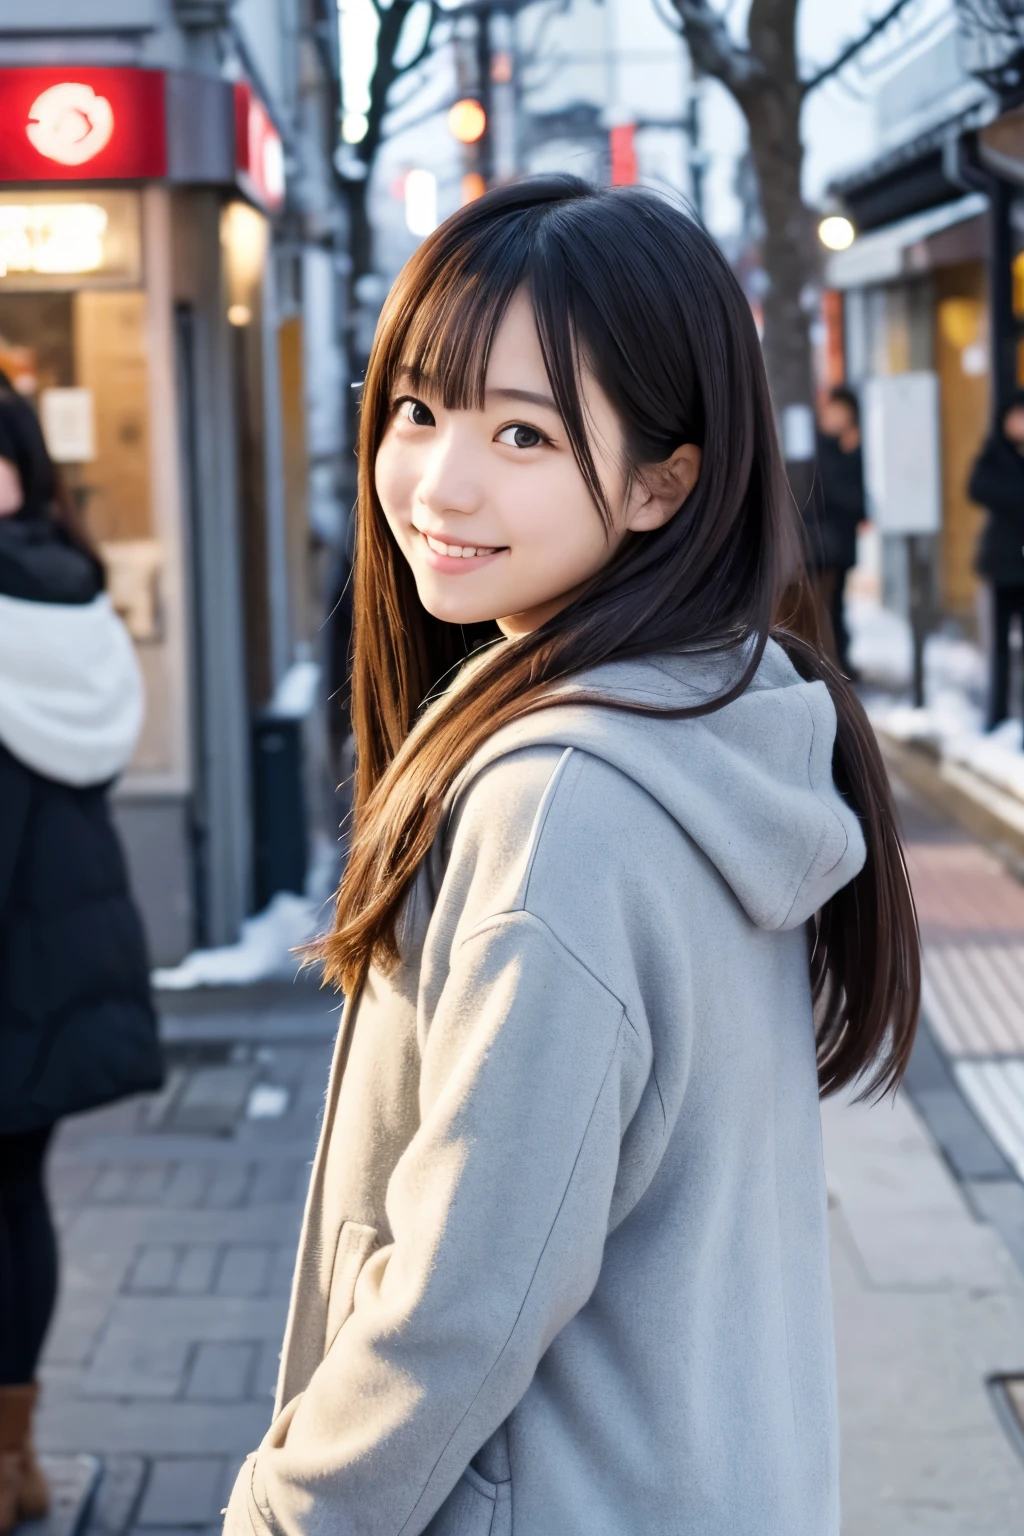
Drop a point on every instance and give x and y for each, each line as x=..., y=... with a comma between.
x=295, y=695
x=952, y=720
x=265, y=949
x=267, y=1101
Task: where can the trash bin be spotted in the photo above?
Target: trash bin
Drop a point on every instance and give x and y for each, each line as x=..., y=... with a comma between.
x=281, y=853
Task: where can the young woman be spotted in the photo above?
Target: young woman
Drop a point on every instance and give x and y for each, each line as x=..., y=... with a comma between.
x=76, y=1022
x=619, y=902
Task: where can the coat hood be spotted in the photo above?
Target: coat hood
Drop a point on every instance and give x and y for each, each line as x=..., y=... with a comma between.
x=71, y=700
x=751, y=784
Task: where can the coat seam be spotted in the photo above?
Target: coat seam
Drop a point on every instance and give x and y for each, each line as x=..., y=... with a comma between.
x=494, y=919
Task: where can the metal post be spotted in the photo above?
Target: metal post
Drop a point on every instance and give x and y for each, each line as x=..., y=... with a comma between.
x=1004, y=321
x=918, y=572
x=484, y=63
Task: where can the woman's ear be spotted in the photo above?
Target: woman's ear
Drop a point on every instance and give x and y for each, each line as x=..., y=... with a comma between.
x=659, y=490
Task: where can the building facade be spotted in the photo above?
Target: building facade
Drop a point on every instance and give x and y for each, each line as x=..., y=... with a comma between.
x=170, y=299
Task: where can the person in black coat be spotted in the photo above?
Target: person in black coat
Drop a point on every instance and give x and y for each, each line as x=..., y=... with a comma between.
x=836, y=510
x=997, y=484
x=77, y=1027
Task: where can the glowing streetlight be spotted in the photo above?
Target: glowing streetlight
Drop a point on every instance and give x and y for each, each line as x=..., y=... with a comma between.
x=467, y=121
x=420, y=202
x=354, y=127
x=836, y=233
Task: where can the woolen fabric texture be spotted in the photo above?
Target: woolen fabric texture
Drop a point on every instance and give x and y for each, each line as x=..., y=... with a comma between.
x=563, y=1268
x=997, y=484
x=77, y=1026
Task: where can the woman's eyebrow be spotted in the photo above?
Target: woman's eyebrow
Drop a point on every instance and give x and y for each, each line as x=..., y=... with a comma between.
x=528, y=395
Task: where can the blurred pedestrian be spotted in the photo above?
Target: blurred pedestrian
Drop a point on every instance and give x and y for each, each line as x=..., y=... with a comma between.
x=837, y=509
x=77, y=1027
x=608, y=925
x=997, y=484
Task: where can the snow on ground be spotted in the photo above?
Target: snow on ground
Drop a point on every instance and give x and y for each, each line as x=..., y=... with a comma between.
x=270, y=939
x=952, y=720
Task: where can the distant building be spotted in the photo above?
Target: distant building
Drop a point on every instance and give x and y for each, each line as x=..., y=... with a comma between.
x=169, y=299
x=934, y=278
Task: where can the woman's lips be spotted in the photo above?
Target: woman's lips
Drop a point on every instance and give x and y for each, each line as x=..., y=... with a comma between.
x=453, y=558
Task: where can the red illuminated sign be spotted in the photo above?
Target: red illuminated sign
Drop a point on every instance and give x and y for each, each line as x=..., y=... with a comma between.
x=259, y=153
x=74, y=124
x=623, y=154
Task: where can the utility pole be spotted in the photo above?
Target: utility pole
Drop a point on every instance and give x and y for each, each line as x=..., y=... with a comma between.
x=696, y=158
x=485, y=93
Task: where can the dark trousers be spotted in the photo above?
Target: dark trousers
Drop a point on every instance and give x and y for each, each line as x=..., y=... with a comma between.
x=830, y=592
x=1007, y=603
x=28, y=1256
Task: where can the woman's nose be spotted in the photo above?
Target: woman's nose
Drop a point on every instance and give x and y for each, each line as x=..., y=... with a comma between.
x=450, y=481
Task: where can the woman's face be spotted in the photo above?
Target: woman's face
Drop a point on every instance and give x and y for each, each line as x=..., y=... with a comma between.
x=12, y=497
x=489, y=506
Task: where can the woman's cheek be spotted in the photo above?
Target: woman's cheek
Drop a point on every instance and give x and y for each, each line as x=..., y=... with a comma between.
x=394, y=480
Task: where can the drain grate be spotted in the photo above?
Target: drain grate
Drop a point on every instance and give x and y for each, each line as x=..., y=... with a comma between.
x=1007, y=1393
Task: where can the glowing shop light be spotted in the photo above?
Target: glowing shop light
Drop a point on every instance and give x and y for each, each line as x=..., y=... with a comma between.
x=467, y=121
x=51, y=238
x=836, y=233
x=421, y=202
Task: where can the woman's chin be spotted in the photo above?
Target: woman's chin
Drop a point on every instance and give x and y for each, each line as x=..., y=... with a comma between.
x=451, y=608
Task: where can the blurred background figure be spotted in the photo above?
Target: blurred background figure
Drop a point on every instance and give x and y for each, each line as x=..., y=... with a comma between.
x=835, y=512
x=77, y=1027
x=997, y=484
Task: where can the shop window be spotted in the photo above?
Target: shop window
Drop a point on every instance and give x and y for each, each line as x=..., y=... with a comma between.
x=73, y=341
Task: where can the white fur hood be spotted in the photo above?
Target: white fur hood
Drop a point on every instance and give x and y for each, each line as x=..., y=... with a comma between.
x=71, y=698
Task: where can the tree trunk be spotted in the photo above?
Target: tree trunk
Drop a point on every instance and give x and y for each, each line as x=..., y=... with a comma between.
x=772, y=106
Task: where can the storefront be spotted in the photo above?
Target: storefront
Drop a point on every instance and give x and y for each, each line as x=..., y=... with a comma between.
x=135, y=211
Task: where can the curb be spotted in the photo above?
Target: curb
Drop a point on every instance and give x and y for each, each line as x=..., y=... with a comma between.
x=989, y=813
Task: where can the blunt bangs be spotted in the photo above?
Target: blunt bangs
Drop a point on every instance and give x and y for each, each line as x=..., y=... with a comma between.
x=439, y=326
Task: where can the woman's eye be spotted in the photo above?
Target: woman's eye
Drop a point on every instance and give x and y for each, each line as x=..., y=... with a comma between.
x=521, y=437
x=416, y=412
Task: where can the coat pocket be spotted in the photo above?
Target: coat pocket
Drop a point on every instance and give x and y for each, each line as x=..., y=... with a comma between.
x=474, y=1507
x=355, y=1244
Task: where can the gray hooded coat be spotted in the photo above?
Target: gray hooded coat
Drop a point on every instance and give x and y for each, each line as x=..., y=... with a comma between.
x=563, y=1270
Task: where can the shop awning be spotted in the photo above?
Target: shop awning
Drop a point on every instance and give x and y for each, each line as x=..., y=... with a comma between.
x=909, y=246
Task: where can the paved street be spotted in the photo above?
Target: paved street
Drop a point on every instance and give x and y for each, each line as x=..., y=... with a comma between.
x=180, y=1216
x=179, y=1222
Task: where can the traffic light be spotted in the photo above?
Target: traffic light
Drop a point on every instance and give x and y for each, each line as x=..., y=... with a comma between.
x=467, y=121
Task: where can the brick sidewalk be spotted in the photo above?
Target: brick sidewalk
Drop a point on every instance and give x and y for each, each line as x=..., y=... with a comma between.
x=179, y=1218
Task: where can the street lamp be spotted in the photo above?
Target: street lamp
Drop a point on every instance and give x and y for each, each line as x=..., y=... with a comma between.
x=836, y=233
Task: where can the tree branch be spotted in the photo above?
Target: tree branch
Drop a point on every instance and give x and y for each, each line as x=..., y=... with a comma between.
x=713, y=50
x=852, y=49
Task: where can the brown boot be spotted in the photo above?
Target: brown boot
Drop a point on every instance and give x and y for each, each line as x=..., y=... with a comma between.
x=33, y=1489
x=24, y=1494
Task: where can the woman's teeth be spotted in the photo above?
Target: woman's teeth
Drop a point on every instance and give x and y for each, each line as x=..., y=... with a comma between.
x=459, y=551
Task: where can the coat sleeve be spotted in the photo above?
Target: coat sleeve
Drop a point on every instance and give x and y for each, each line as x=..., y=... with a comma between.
x=498, y=1212
x=992, y=488
x=15, y=800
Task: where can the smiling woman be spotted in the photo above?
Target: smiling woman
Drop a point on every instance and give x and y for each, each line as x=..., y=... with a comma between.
x=499, y=498
x=624, y=894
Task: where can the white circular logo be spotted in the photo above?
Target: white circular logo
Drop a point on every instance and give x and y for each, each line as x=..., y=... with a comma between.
x=69, y=123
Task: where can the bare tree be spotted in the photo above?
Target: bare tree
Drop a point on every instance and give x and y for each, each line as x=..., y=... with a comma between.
x=389, y=66
x=993, y=35
x=763, y=76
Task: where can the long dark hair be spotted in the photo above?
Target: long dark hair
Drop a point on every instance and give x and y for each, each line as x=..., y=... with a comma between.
x=45, y=494
x=628, y=286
